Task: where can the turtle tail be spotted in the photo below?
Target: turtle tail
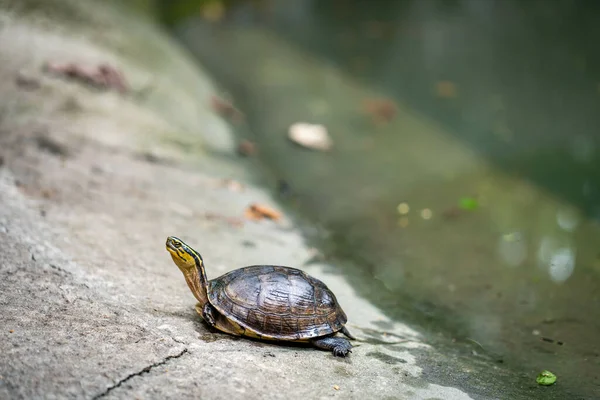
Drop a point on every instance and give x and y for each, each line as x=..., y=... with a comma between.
x=346, y=332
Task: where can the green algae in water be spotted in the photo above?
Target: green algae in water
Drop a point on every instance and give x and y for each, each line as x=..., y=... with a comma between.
x=546, y=378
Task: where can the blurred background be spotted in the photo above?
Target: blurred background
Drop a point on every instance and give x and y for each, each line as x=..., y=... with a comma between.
x=455, y=174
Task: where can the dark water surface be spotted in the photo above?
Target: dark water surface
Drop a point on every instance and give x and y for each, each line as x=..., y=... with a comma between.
x=496, y=103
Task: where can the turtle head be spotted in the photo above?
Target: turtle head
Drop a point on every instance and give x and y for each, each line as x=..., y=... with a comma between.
x=190, y=263
x=183, y=255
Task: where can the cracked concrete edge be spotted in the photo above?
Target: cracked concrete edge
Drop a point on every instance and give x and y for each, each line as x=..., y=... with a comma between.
x=145, y=370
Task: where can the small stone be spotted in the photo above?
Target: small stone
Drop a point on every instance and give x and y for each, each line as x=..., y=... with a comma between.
x=336, y=387
x=403, y=208
x=426, y=213
x=311, y=136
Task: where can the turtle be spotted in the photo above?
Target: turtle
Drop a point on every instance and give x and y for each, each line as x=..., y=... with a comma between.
x=266, y=302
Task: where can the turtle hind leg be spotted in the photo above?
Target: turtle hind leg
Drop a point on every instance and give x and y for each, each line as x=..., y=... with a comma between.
x=346, y=332
x=338, y=345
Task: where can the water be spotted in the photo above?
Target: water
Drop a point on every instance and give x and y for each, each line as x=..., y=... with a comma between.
x=496, y=103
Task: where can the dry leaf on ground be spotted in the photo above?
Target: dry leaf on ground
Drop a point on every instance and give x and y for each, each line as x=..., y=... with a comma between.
x=247, y=148
x=257, y=212
x=213, y=11
x=380, y=110
x=446, y=89
x=102, y=75
x=226, y=109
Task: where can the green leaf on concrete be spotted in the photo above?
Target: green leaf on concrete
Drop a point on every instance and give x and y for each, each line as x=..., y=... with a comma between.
x=546, y=378
x=468, y=203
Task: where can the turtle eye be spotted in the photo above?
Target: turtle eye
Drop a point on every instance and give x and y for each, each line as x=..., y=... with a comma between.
x=177, y=244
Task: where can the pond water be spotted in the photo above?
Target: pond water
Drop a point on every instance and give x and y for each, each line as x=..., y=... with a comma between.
x=462, y=193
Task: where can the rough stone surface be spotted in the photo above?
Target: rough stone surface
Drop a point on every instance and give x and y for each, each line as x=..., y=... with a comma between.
x=91, y=303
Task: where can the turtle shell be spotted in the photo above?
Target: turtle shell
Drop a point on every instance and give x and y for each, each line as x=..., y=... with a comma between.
x=272, y=302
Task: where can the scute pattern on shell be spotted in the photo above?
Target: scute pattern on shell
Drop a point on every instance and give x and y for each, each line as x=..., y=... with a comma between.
x=277, y=302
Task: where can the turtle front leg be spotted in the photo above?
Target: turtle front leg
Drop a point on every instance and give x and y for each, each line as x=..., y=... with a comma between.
x=199, y=309
x=207, y=313
x=338, y=345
